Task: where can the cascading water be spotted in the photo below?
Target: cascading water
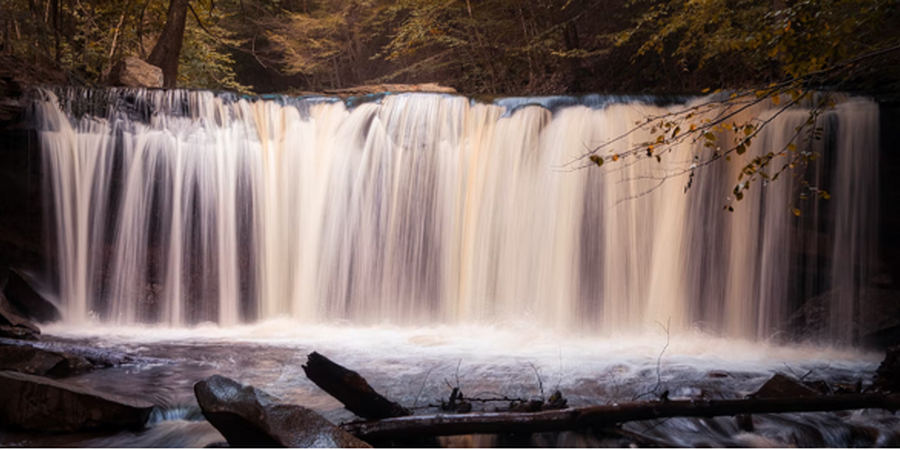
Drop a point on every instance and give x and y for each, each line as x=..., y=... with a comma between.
x=182, y=206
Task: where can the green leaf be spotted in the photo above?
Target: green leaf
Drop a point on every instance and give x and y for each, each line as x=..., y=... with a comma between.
x=597, y=160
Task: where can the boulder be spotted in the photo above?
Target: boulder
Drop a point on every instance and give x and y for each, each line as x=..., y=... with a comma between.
x=783, y=386
x=22, y=296
x=25, y=358
x=14, y=324
x=134, y=72
x=70, y=358
x=249, y=417
x=34, y=403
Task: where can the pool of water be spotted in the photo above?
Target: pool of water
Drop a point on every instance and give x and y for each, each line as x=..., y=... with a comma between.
x=418, y=366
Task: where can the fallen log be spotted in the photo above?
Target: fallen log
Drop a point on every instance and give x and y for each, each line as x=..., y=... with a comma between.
x=350, y=388
x=592, y=416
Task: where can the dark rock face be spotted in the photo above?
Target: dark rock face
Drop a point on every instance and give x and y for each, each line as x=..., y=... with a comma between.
x=782, y=386
x=31, y=304
x=14, y=325
x=249, y=417
x=887, y=377
x=134, y=72
x=33, y=403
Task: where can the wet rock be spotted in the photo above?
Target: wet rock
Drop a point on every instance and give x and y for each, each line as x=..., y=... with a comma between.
x=134, y=72
x=744, y=422
x=887, y=376
x=25, y=299
x=877, y=322
x=34, y=403
x=783, y=386
x=27, y=359
x=80, y=358
x=11, y=332
x=249, y=417
x=11, y=103
x=15, y=323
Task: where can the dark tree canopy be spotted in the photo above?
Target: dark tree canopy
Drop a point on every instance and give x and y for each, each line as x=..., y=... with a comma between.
x=475, y=46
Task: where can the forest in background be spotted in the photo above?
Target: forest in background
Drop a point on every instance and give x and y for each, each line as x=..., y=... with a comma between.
x=476, y=46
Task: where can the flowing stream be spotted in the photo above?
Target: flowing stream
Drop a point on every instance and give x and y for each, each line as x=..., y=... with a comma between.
x=428, y=240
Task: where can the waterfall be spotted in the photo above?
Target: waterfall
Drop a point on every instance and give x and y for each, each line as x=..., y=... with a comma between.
x=180, y=207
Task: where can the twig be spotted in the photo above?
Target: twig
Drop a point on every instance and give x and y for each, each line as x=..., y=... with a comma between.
x=540, y=382
x=422, y=389
x=655, y=389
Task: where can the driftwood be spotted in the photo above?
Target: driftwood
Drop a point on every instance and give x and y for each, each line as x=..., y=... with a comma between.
x=350, y=388
x=592, y=416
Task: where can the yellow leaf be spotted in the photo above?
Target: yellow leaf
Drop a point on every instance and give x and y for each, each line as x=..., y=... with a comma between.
x=796, y=211
x=792, y=147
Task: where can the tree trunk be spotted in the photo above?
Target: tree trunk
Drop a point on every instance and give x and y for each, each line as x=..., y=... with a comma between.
x=577, y=418
x=167, y=50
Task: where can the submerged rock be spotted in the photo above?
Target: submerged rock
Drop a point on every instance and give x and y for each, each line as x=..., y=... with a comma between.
x=783, y=386
x=27, y=301
x=249, y=417
x=135, y=72
x=30, y=402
